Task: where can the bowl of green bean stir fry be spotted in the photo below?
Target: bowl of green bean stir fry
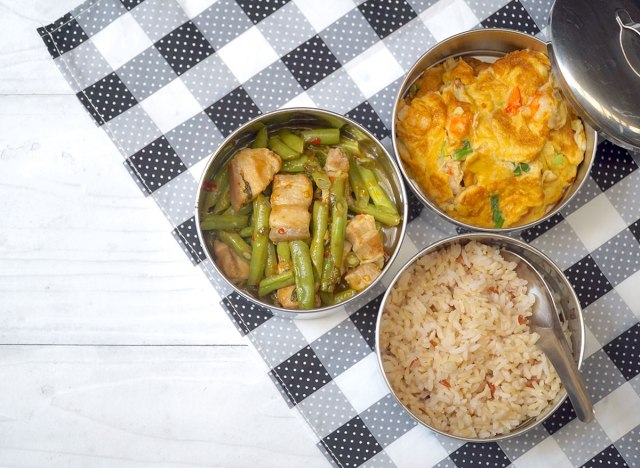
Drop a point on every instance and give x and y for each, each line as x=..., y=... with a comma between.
x=301, y=210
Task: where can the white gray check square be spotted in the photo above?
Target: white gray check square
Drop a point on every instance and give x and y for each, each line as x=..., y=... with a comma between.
x=280, y=338
x=146, y=73
x=222, y=22
x=327, y=409
x=580, y=442
x=382, y=102
x=132, y=130
x=409, y=43
x=178, y=198
x=624, y=196
x=539, y=10
x=195, y=139
x=601, y=375
x=387, y=420
x=628, y=445
x=517, y=446
x=159, y=17
x=337, y=93
x=349, y=36
x=286, y=29
x=209, y=80
x=340, y=348
x=98, y=15
x=619, y=257
x=274, y=86
x=562, y=244
x=86, y=64
x=608, y=317
x=587, y=192
x=485, y=8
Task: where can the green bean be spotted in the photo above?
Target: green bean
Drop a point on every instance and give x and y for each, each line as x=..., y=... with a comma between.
x=218, y=186
x=278, y=146
x=357, y=184
x=335, y=122
x=245, y=210
x=272, y=260
x=275, y=282
x=223, y=203
x=349, y=145
x=321, y=136
x=236, y=242
x=386, y=218
x=378, y=196
x=261, y=211
x=319, y=224
x=246, y=231
x=217, y=222
x=326, y=298
x=331, y=273
x=284, y=251
x=262, y=137
x=296, y=165
x=303, y=273
x=343, y=295
x=321, y=179
x=351, y=260
x=292, y=140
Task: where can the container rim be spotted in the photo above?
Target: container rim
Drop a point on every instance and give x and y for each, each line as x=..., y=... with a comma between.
x=319, y=311
x=480, y=237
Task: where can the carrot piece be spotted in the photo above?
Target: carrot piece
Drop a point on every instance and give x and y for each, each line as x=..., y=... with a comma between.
x=515, y=101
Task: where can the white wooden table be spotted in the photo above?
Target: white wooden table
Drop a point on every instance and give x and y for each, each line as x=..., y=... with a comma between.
x=113, y=351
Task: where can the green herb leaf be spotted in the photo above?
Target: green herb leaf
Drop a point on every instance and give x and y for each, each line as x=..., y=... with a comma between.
x=558, y=159
x=413, y=90
x=520, y=168
x=463, y=152
x=497, y=218
x=442, y=153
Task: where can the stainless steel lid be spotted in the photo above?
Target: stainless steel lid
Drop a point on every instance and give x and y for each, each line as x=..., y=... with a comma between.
x=595, y=52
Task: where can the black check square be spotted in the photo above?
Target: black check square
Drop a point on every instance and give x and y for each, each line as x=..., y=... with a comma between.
x=624, y=351
x=156, y=164
x=257, y=10
x=608, y=457
x=310, y=62
x=352, y=444
x=63, y=35
x=415, y=205
x=560, y=418
x=635, y=229
x=232, y=110
x=588, y=281
x=472, y=454
x=366, y=116
x=530, y=234
x=301, y=375
x=107, y=98
x=512, y=16
x=612, y=164
x=131, y=4
x=247, y=315
x=387, y=16
x=365, y=320
x=184, y=47
x=187, y=235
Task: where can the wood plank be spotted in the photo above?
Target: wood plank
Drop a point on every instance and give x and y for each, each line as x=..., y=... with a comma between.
x=84, y=257
x=134, y=406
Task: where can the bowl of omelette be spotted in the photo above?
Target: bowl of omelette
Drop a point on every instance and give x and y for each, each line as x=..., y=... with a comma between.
x=485, y=135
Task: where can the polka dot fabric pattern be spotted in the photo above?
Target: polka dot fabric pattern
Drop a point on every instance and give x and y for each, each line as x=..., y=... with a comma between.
x=180, y=89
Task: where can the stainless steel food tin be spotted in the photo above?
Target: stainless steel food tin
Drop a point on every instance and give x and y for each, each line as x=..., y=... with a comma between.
x=563, y=294
x=485, y=44
x=302, y=118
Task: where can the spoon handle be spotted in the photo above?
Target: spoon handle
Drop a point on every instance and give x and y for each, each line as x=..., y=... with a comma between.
x=558, y=352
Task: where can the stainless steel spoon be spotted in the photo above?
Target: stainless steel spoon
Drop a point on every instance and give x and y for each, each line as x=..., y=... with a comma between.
x=552, y=342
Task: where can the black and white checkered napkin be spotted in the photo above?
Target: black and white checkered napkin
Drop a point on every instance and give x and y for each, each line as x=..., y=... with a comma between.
x=168, y=80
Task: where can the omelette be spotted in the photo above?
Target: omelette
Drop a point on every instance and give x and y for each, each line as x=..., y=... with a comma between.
x=492, y=144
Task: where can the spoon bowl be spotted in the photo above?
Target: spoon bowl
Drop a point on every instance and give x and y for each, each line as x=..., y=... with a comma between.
x=545, y=322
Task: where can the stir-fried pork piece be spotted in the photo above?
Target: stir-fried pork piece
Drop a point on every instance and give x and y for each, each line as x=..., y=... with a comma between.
x=293, y=189
x=250, y=172
x=367, y=242
x=362, y=276
x=337, y=162
x=285, y=297
x=235, y=267
x=290, y=201
x=289, y=222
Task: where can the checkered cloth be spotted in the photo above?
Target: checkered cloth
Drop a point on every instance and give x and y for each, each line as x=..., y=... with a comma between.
x=168, y=80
